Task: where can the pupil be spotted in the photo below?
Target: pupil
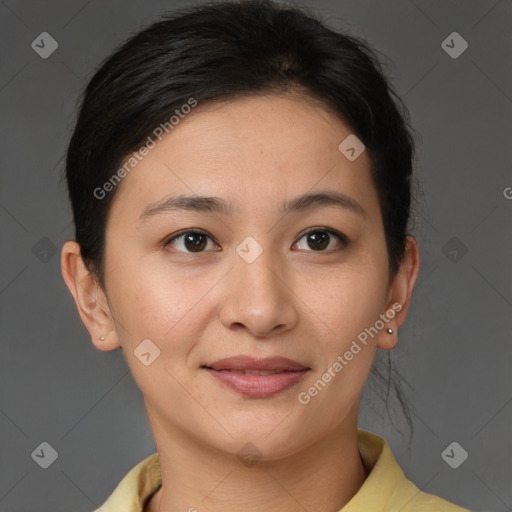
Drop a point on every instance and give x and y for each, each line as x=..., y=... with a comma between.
x=319, y=237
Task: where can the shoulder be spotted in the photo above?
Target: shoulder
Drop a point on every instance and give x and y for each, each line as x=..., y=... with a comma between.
x=135, y=488
x=409, y=498
x=386, y=488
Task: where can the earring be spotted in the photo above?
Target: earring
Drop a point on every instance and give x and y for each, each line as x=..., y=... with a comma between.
x=102, y=338
x=390, y=331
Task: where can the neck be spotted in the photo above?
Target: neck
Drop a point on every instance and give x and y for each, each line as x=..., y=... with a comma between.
x=322, y=477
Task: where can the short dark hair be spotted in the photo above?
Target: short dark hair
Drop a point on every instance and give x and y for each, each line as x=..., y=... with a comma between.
x=223, y=51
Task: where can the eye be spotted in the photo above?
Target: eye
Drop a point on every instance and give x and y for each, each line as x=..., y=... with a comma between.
x=191, y=240
x=195, y=241
x=319, y=239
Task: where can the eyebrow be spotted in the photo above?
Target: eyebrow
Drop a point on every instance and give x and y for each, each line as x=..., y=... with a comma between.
x=212, y=204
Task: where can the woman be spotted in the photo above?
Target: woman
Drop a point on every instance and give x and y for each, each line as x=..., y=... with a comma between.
x=240, y=183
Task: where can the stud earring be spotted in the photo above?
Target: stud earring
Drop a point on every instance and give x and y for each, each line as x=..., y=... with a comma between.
x=102, y=338
x=390, y=331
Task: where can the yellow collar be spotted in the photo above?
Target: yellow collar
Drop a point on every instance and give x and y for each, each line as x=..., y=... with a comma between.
x=385, y=489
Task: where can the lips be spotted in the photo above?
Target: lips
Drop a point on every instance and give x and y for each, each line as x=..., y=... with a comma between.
x=252, y=372
x=248, y=365
x=257, y=378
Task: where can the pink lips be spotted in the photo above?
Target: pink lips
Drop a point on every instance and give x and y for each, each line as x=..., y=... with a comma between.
x=257, y=378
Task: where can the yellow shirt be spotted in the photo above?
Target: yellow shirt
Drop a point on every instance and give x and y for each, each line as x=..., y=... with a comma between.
x=386, y=489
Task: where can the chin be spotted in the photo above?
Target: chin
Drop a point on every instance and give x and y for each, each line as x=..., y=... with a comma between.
x=270, y=440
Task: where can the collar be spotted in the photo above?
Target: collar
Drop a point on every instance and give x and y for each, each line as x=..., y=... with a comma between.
x=385, y=489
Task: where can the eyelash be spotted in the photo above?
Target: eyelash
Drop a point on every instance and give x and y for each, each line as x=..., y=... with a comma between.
x=340, y=236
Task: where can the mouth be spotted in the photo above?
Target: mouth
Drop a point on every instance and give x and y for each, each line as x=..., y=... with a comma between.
x=245, y=363
x=248, y=372
x=257, y=378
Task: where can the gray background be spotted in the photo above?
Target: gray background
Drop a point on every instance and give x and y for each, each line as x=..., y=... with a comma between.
x=455, y=349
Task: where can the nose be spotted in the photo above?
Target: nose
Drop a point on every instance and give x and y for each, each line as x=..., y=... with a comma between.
x=258, y=297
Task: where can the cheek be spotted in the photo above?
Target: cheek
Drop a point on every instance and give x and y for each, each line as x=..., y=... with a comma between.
x=346, y=302
x=169, y=307
x=146, y=303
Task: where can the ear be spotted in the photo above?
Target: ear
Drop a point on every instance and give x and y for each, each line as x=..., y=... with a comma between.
x=400, y=293
x=89, y=297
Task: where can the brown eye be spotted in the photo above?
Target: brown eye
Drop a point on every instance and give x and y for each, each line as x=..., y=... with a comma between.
x=189, y=241
x=319, y=239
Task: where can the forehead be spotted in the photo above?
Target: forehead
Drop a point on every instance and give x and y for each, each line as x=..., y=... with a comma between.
x=252, y=151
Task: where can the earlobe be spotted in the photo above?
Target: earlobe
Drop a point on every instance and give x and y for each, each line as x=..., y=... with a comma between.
x=85, y=290
x=388, y=337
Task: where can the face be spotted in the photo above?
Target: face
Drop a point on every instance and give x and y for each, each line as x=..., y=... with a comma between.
x=207, y=284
